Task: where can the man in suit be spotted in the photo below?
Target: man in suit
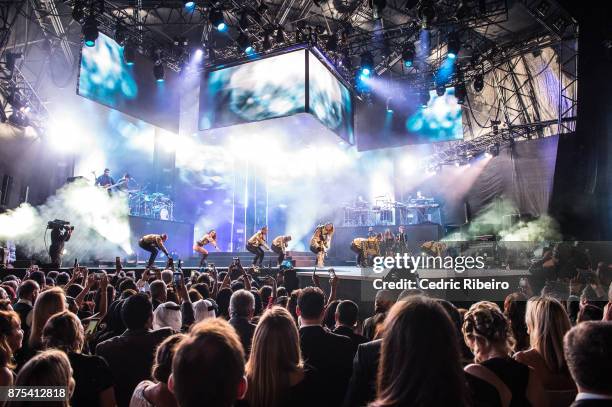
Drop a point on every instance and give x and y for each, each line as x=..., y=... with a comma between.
x=130, y=355
x=346, y=319
x=328, y=353
x=242, y=308
x=27, y=293
x=589, y=359
x=383, y=302
x=362, y=386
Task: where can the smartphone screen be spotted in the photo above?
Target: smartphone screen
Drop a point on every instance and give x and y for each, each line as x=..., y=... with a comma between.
x=177, y=278
x=92, y=326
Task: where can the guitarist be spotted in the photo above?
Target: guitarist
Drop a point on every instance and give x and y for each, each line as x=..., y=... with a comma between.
x=105, y=181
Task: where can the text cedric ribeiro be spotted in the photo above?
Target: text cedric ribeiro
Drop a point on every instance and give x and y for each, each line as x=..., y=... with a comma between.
x=414, y=263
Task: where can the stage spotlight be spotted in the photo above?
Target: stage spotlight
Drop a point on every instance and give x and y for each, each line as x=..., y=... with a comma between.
x=120, y=34
x=377, y=8
x=478, y=82
x=427, y=13
x=463, y=10
x=460, y=93
x=245, y=44
x=78, y=12
x=280, y=36
x=440, y=90
x=216, y=19
x=388, y=106
x=408, y=54
x=332, y=42
x=189, y=4
x=453, y=45
x=129, y=54
x=267, y=40
x=90, y=31
x=159, y=71
x=367, y=65
x=244, y=22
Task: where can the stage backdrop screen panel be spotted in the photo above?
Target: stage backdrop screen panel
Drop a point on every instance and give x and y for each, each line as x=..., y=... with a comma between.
x=258, y=90
x=104, y=77
x=329, y=100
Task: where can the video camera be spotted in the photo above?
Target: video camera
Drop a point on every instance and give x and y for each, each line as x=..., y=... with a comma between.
x=59, y=224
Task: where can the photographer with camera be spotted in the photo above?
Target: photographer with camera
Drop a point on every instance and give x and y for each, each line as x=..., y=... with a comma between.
x=61, y=231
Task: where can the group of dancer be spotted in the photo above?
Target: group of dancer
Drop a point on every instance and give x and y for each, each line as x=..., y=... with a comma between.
x=376, y=244
x=320, y=244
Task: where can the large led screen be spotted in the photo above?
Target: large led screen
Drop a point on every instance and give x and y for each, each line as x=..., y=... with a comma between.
x=258, y=90
x=329, y=100
x=104, y=77
x=400, y=118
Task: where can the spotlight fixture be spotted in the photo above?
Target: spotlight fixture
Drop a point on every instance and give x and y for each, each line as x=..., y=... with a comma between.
x=460, y=93
x=159, y=71
x=427, y=13
x=11, y=59
x=408, y=54
x=244, y=43
x=280, y=36
x=217, y=20
x=267, y=40
x=440, y=90
x=319, y=3
x=453, y=45
x=120, y=34
x=78, y=12
x=189, y=4
x=90, y=31
x=129, y=54
x=367, y=64
x=244, y=22
x=332, y=42
x=463, y=10
x=377, y=8
x=478, y=82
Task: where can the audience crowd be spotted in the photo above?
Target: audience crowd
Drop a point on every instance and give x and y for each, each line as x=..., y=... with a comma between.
x=239, y=338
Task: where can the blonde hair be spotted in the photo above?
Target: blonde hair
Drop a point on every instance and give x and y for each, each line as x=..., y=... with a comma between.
x=548, y=323
x=48, y=368
x=275, y=354
x=48, y=303
x=64, y=331
x=8, y=320
x=485, y=322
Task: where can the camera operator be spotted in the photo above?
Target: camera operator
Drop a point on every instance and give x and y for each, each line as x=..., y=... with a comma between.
x=60, y=233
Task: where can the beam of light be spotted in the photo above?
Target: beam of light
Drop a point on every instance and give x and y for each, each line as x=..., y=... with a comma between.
x=445, y=72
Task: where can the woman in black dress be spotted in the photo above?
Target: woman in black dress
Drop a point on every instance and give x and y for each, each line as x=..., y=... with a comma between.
x=487, y=333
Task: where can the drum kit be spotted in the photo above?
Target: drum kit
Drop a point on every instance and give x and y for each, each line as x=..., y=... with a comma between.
x=155, y=205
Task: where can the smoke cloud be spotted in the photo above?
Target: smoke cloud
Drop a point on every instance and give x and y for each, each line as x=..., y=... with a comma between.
x=101, y=223
x=493, y=219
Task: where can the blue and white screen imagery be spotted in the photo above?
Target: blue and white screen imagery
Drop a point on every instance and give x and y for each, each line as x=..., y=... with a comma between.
x=258, y=90
x=329, y=100
x=440, y=120
x=105, y=78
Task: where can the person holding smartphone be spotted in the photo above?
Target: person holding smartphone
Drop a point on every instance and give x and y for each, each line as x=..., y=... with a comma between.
x=256, y=244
